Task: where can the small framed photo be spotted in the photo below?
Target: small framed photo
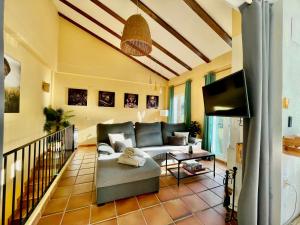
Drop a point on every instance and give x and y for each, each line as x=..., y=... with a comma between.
x=77, y=97
x=12, y=79
x=152, y=102
x=106, y=99
x=131, y=100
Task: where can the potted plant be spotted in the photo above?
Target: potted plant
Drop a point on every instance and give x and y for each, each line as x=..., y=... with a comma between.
x=194, y=129
x=56, y=119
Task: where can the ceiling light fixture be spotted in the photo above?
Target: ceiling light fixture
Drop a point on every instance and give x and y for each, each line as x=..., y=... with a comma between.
x=136, y=37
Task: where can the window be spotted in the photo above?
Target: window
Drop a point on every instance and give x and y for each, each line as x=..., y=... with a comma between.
x=179, y=108
x=221, y=136
x=179, y=104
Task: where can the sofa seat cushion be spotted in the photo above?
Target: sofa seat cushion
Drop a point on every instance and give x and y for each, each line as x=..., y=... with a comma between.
x=126, y=128
x=110, y=172
x=148, y=134
x=168, y=129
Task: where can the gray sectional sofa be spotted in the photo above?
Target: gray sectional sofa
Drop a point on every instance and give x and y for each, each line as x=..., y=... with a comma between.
x=116, y=181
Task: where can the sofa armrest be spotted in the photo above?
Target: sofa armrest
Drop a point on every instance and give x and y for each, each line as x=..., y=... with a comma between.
x=103, y=148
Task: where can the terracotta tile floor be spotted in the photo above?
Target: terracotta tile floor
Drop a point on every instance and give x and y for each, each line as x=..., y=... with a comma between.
x=197, y=201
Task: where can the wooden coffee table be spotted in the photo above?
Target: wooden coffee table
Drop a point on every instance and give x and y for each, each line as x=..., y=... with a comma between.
x=180, y=173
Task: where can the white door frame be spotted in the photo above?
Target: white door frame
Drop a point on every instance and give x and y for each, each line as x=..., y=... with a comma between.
x=1, y=96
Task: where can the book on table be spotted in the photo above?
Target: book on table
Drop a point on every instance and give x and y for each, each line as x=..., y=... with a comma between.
x=192, y=166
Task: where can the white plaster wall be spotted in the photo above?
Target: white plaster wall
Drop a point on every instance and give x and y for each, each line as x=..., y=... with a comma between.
x=290, y=171
x=291, y=90
x=236, y=131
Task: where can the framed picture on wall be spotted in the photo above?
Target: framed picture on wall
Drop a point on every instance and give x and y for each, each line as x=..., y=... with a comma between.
x=131, y=100
x=77, y=97
x=106, y=99
x=152, y=101
x=12, y=76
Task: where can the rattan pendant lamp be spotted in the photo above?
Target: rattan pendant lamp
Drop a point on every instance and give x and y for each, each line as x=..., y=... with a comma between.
x=136, y=38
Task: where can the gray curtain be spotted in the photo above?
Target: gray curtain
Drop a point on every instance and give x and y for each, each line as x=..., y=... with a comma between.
x=255, y=201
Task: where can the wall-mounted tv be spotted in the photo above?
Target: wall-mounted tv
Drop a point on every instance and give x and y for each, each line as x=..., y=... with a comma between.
x=227, y=97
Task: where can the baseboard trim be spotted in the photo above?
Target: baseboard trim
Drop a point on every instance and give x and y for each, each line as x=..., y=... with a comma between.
x=221, y=161
x=87, y=145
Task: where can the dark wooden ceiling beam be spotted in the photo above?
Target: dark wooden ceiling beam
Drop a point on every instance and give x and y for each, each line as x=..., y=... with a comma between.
x=170, y=29
x=109, y=44
x=209, y=20
x=122, y=20
x=98, y=23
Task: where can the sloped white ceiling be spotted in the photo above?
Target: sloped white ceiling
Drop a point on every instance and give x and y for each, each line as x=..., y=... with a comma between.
x=175, y=13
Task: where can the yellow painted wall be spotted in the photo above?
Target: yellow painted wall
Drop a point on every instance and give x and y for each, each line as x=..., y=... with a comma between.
x=35, y=23
x=23, y=127
x=31, y=37
x=237, y=45
x=197, y=76
x=87, y=63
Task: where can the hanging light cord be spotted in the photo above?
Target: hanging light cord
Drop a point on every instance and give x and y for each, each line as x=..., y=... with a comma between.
x=137, y=6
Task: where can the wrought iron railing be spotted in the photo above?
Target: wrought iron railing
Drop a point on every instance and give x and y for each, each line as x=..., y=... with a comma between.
x=29, y=171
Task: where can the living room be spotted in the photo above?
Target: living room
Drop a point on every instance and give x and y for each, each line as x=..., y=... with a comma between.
x=68, y=56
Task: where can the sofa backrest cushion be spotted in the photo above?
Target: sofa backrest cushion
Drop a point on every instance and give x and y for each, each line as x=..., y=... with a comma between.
x=104, y=129
x=168, y=129
x=148, y=134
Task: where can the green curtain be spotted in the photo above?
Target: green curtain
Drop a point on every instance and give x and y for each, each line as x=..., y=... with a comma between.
x=187, y=103
x=208, y=120
x=171, y=105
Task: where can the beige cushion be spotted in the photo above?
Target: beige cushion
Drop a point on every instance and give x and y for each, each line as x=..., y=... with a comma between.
x=115, y=137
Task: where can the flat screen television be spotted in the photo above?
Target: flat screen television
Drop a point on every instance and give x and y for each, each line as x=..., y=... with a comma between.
x=227, y=97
